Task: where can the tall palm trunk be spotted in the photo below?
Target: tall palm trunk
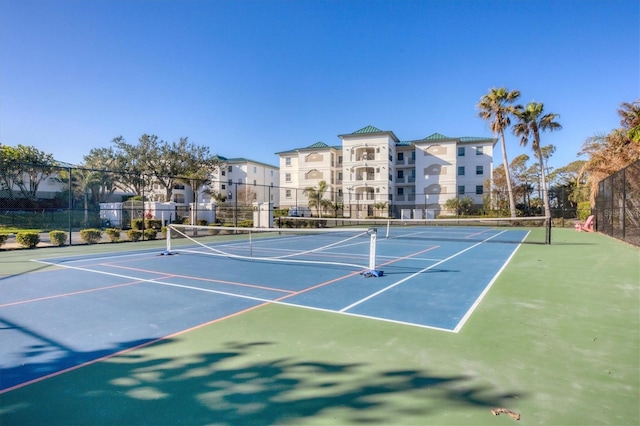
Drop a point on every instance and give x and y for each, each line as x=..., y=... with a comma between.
x=543, y=180
x=507, y=173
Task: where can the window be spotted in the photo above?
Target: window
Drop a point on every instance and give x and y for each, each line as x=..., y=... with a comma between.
x=271, y=173
x=479, y=150
x=401, y=156
x=460, y=189
x=400, y=191
x=223, y=186
x=339, y=176
x=254, y=182
x=287, y=177
x=340, y=159
x=230, y=169
x=224, y=173
x=287, y=161
x=255, y=169
x=479, y=170
x=460, y=170
x=400, y=174
x=461, y=151
x=287, y=193
x=479, y=189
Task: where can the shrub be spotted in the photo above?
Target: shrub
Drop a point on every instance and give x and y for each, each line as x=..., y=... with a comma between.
x=584, y=210
x=153, y=223
x=150, y=234
x=245, y=223
x=137, y=224
x=3, y=239
x=202, y=222
x=28, y=239
x=58, y=238
x=113, y=234
x=90, y=235
x=134, y=234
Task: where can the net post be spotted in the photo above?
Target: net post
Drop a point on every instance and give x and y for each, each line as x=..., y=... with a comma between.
x=372, y=249
x=547, y=225
x=372, y=272
x=168, y=252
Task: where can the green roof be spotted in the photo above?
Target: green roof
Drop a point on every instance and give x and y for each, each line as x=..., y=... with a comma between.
x=368, y=129
x=317, y=145
x=436, y=137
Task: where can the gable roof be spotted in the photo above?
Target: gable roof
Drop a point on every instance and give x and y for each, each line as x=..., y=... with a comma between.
x=313, y=146
x=368, y=129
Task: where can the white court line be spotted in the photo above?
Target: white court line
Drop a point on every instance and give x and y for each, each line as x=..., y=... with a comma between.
x=473, y=307
x=389, y=287
x=154, y=281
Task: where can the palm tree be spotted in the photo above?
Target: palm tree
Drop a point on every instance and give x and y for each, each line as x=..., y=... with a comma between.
x=315, y=196
x=496, y=108
x=531, y=121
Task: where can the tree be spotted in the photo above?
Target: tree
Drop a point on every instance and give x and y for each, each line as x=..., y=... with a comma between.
x=496, y=108
x=614, y=151
x=629, y=113
x=83, y=183
x=103, y=161
x=316, y=197
x=496, y=187
x=531, y=121
x=24, y=167
x=462, y=206
x=522, y=178
x=167, y=163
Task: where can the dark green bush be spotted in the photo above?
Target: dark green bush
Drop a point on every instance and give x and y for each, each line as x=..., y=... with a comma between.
x=113, y=234
x=150, y=234
x=91, y=235
x=134, y=234
x=28, y=239
x=584, y=210
x=153, y=223
x=58, y=238
x=137, y=224
x=3, y=239
x=245, y=224
x=202, y=222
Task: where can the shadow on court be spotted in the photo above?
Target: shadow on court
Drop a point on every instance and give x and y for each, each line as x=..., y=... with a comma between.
x=229, y=386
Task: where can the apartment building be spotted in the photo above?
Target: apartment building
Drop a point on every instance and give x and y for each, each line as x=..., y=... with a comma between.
x=373, y=172
x=243, y=179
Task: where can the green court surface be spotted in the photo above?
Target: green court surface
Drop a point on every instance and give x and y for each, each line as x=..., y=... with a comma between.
x=556, y=339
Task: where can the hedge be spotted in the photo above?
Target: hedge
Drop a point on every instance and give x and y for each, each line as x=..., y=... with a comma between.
x=58, y=238
x=28, y=239
x=91, y=235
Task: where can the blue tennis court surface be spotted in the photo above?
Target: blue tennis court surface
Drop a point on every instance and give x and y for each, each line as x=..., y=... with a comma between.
x=94, y=306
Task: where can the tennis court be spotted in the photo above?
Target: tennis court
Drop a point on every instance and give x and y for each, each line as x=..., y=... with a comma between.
x=139, y=322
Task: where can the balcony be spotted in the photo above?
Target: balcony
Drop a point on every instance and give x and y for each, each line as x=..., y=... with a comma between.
x=365, y=176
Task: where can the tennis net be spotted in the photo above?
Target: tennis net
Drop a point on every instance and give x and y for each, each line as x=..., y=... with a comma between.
x=531, y=230
x=353, y=247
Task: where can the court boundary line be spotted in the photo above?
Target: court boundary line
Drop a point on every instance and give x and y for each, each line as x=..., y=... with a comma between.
x=484, y=292
x=397, y=283
x=73, y=293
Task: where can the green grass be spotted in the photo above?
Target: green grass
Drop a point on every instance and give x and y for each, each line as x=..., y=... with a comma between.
x=556, y=339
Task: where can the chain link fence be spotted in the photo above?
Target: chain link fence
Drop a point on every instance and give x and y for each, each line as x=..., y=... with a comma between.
x=617, y=208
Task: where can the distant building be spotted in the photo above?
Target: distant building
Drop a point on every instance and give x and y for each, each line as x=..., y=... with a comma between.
x=248, y=180
x=372, y=172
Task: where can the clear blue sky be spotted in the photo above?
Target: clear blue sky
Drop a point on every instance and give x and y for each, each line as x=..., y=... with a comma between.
x=251, y=78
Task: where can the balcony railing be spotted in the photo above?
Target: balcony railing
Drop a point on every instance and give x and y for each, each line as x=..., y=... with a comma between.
x=367, y=176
